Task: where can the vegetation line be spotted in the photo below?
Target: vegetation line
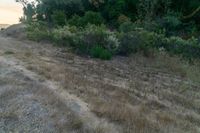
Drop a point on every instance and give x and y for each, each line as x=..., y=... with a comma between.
x=104, y=28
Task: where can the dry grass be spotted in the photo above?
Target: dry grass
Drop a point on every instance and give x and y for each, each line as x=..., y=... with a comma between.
x=155, y=94
x=139, y=94
x=134, y=119
x=180, y=67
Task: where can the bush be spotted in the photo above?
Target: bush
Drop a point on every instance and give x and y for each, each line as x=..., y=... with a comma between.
x=93, y=18
x=127, y=27
x=99, y=42
x=99, y=52
x=186, y=48
x=151, y=41
x=171, y=23
x=89, y=18
x=130, y=42
x=99, y=34
x=58, y=18
x=38, y=31
x=151, y=26
x=65, y=36
x=76, y=21
x=123, y=19
x=139, y=41
x=85, y=41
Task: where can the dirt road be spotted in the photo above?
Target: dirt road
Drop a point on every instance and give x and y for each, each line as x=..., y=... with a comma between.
x=44, y=89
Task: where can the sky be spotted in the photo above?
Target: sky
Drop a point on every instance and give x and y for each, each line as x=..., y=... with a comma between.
x=10, y=12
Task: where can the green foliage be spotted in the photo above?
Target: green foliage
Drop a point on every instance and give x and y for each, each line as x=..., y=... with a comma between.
x=29, y=9
x=112, y=9
x=93, y=18
x=58, y=18
x=29, y=12
x=114, y=12
x=99, y=42
x=143, y=41
x=38, y=31
x=69, y=7
x=149, y=9
x=139, y=41
x=88, y=26
x=127, y=27
x=99, y=34
x=89, y=18
x=123, y=19
x=85, y=41
x=171, y=23
x=64, y=36
x=99, y=52
x=130, y=43
x=186, y=48
x=76, y=21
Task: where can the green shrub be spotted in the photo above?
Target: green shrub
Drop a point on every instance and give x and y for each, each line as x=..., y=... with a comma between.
x=186, y=48
x=99, y=52
x=127, y=27
x=38, y=31
x=149, y=9
x=93, y=18
x=151, y=26
x=130, y=43
x=85, y=40
x=89, y=18
x=58, y=18
x=111, y=10
x=123, y=19
x=99, y=34
x=151, y=39
x=139, y=41
x=65, y=36
x=76, y=21
x=171, y=23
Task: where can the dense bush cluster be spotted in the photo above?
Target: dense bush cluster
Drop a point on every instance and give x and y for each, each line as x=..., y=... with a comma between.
x=38, y=31
x=93, y=40
x=99, y=42
x=115, y=12
x=188, y=49
x=103, y=28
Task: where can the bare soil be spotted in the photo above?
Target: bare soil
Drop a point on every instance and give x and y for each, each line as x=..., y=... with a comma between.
x=46, y=89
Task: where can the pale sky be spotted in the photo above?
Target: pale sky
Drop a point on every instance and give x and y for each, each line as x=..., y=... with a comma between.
x=10, y=12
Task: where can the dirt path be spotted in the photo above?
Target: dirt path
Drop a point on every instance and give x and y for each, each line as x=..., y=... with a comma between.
x=47, y=89
x=29, y=101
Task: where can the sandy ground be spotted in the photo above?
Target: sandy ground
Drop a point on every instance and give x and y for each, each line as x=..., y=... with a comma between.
x=45, y=89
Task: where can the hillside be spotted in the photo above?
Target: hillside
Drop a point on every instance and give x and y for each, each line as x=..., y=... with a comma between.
x=101, y=66
x=50, y=89
x=4, y=25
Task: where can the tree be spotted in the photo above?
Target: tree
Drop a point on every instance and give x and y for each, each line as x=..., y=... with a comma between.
x=29, y=9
